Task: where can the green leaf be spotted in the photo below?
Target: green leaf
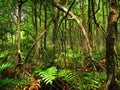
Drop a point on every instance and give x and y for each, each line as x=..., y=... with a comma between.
x=48, y=75
x=66, y=74
x=1, y=3
x=5, y=66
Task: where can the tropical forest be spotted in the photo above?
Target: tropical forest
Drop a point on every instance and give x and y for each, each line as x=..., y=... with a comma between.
x=59, y=45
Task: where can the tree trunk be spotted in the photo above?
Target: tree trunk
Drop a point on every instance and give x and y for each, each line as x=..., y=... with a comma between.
x=55, y=33
x=36, y=55
x=45, y=26
x=90, y=21
x=20, y=3
x=110, y=43
x=18, y=28
x=79, y=24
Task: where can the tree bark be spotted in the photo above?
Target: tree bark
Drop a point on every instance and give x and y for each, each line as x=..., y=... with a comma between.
x=45, y=26
x=36, y=55
x=20, y=3
x=18, y=29
x=110, y=44
x=55, y=33
x=18, y=25
x=90, y=21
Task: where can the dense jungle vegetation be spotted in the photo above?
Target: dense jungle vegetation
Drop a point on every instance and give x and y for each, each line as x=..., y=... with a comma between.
x=59, y=45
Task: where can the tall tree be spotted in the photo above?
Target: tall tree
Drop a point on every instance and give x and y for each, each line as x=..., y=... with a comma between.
x=90, y=21
x=35, y=22
x=20, y=3
x=45, y=26
x=74, y=17
x=110, y=44
x=55, y=31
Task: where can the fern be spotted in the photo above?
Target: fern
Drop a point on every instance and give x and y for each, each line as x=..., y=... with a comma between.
x=5, y=66
x=66, y=74
x=6, y=82
x=48, y=75
x=93, y=80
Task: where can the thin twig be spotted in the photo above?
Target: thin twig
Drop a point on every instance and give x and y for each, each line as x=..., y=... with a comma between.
x=95, y=20
x=66, y=13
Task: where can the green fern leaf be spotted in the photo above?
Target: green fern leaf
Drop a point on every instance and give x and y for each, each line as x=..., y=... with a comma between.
x=48, y=75
x=66, y=74
x=5, y=66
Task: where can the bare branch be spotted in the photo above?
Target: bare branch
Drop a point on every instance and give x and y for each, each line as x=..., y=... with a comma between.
x=95, y=20
x=66, y=13
x=26, y=58
x=79, y=24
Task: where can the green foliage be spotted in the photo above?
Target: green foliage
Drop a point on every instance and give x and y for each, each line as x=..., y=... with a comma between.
x=5, y=66
x=89, y=80
x=93, y=80
x=47, y=75
x=99, y=54
x=118, y=72
x=118, y=82
x=6, y=82
x=66, y=74
x=118, y=50
x=51, y=74
x=24, y=79
x=1, y=3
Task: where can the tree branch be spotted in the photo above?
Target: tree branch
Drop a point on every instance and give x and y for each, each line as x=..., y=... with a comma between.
x=79, y=24
x=21, y=2
x=66, y=13
x=95, y=20
x=29, y=51
x=98, y=7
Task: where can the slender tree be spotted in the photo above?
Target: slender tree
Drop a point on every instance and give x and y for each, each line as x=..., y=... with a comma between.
x=36, y=55
x=55, y=31
x=20, y=3
x=79, y=24
x=110, y=44
x=90, y=21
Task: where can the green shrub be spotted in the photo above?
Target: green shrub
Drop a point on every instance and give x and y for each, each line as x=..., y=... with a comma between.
x=93, y=80
x=6, y=82
x=47, y=75
x=52, y=73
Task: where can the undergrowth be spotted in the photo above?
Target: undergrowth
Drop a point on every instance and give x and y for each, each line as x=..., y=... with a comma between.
x=85, y=81
x=4, y=81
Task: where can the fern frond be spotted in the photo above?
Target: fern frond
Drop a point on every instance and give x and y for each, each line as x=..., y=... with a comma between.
x=5, y=66
x=66, y=74
x=48, y=75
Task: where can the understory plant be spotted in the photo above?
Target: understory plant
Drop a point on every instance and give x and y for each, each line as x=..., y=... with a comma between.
x=50, y=74
x=4, y=81
x=93, y=80
x=85, y=81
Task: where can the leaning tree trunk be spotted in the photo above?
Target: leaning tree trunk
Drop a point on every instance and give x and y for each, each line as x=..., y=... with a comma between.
x=110, y=44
